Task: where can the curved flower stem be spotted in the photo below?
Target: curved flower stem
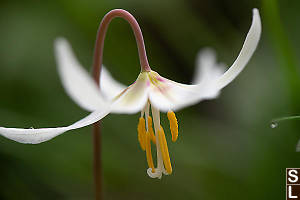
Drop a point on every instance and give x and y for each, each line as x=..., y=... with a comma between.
x=98, y=54
x=98, y=59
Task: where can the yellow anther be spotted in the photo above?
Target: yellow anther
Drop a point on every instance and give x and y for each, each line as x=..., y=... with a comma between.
x=150, y=129
x=173, y=125
x=142, y=133
x=164, y=150
x=148, y=152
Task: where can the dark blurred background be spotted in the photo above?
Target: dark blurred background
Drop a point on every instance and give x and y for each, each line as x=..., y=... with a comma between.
x=226, y=148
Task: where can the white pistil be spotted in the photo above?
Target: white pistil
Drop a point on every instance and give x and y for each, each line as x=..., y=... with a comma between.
x=160, y=166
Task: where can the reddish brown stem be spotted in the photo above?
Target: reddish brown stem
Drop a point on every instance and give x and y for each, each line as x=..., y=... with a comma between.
x=97, y=160
x=98, y=53
x=98, y=59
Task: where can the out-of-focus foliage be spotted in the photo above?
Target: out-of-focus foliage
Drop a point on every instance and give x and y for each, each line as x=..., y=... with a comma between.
x=226, y=149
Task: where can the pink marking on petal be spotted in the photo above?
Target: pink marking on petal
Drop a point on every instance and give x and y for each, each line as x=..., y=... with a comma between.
x=159, y=78
x=148, y=83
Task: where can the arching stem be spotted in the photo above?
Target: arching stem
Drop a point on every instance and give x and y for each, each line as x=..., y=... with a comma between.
x=98, y=59
x=98, y=54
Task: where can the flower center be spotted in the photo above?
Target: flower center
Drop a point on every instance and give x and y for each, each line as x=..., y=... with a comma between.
x=146, y=135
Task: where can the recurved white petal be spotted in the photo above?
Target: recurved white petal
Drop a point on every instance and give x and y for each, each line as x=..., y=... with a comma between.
x=35, y=136
x=207, y=67
x=169, y=95
x=110, y=88
x=247, y=51
x=134, y=98
x=166, y=94
x=77, y=82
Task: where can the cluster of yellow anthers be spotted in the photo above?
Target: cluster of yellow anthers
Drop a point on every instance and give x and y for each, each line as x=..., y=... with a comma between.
x=146, y=135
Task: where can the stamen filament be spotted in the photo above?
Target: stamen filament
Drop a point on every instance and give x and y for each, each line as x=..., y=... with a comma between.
x=164, y=150
x=173, y=125
x=142, y=133
x=150, y=129
x=148, y=152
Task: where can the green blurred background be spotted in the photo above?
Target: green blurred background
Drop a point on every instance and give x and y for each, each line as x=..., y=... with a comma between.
x=226, y=149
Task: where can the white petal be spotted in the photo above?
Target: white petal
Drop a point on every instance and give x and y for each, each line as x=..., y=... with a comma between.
x=77, y=82
x=207, y=67
x=168, y=95
x=134, y=98
x=247, y=51
x=35, y=136
x=110, y=88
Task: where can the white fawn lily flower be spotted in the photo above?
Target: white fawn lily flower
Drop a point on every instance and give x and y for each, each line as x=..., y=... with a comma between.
x=150, y=90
